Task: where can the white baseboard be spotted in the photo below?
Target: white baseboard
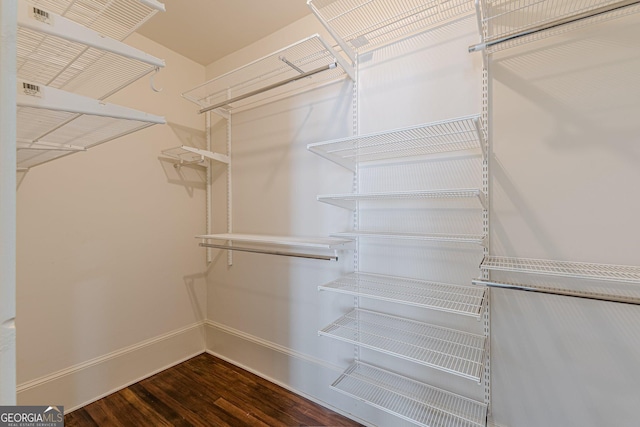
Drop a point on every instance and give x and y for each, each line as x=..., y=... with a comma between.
x=299, y=373
x=87, y=382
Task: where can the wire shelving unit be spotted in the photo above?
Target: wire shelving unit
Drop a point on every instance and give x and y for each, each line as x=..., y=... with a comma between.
x=348, y=201
x=308, y=62
x=186, y=155
x=458, y=134
x=475, y=239
x=511, y=23
x=575, y=270
x=362, y=25
x=458, y=299
x=408, y=399
x=449, y=350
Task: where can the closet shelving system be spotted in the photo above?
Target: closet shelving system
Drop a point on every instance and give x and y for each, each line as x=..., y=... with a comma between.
x=360, y=27
x=69, y=59
x=307, y=63
x=509, y=24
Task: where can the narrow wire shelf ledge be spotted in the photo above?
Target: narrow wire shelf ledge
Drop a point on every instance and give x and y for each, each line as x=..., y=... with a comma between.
x=362, y=25
x=186, y=155
x=464, y=133
x=348, y=201
x=408, y=399
x=60, y=53
x=457, y=299
x=576, y=270
x=308, y=62
x=476, y=239
x=449, y=350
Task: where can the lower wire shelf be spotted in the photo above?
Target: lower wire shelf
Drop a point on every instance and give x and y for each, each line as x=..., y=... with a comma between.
x=459, y=299
x=411, y=400
x=456, y=352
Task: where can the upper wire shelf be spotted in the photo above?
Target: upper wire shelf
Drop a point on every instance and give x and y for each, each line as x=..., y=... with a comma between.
x=464, y=133
x=511, y=23
x=58, y=52
x=348, y=201
x=457, y=299
x=307, y=62
x=449, y=350
x=576, y=270
x=116, y=19
x=408, y=399
x=52, y=123
x=362, y=25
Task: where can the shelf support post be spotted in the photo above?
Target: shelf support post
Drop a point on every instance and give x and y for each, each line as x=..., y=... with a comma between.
x=8, y=134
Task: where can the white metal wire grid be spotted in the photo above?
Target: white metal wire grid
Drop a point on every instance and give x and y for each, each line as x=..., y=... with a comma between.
x=452, y=351
x=451, y=238
x=185, y=156
x=578, y=270
x=464, y=300
x=312, y=242
x=79, y=130
x=304, y=56
x=411, y=400
x=400, y=195
x=445, y=136
x=506, y=17
x=113, y=18
x=365, y=24
x=74, y=67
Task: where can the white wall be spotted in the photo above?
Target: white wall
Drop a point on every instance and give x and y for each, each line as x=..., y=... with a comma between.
x=110, y=278
x=565, y=182
x=264, y=311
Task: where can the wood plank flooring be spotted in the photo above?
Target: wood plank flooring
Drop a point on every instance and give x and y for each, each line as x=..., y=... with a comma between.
x=204, y=391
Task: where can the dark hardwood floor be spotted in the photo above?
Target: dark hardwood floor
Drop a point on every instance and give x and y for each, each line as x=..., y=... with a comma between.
x=204, y=391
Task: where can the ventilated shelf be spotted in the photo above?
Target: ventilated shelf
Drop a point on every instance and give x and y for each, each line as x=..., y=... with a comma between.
x=451, y=238
x=361, y=25
x=452, y=351
x=52, y=123
x=510, y=23
x=116, y=19
x=464, y=133
x=348, y=201
x=576, y=270
x=408, y=399
x=60, y=53
x=302, y=64
x=458, y=299
x=190, y=155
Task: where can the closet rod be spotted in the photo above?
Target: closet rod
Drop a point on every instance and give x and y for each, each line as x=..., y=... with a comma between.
x=268, y=252
x=560, y=292
x=272, y=86
x=554, y=24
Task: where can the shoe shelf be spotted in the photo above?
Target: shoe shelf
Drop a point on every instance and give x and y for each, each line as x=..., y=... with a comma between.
x=348, y=201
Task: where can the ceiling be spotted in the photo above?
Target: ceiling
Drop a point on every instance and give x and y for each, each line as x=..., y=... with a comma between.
x=207, y=30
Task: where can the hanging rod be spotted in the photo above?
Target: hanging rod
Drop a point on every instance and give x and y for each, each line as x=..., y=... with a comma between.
x=554, y=24
x=560, y=292
x=267, y=88
x=268, y=252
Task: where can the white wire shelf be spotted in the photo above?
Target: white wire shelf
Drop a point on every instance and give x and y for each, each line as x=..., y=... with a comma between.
x=361, y=25
x=455, y=352
x=576, y=270
x=308, y=62
x=408, y=399
x=60, y=53
x=52, y=123
x=511, y=23
x=307, y=242
x=451, y=238
x=348, y=201
x=190, y=155
x=458, y=299
x=464, y=133
x=116, y=19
